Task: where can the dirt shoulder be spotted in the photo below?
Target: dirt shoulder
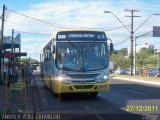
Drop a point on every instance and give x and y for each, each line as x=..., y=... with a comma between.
x=136, y=77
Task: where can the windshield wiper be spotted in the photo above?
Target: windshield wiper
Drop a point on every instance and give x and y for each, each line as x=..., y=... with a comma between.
x=83, y=68
x=71, y=43
x=91, y=45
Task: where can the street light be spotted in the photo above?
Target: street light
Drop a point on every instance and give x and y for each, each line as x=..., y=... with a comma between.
x=157, y=14
x=132, y=32
x=118, y=20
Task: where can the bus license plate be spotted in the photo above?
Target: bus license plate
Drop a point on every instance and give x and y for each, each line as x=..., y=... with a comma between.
x=103, y=87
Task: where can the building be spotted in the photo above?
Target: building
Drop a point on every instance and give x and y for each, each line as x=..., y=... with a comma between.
x=157, y=52
x=139, y=48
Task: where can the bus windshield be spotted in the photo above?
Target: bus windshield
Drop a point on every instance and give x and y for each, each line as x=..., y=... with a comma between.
x=80, y=56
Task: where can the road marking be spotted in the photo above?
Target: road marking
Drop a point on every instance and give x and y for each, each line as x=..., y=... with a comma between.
x=132, y=91
x=99, y=117
x=61, y=106
x=43, y=98
x=80, y=112
x=41, y=83
x=86, y=107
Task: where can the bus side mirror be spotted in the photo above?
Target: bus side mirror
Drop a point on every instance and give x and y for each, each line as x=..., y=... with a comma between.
x=60, y=66
x=111, y=47
x=53, y=49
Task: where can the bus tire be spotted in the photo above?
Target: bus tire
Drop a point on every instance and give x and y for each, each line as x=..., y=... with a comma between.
x=94, y=94
x=45, y=86
x=42, y=77
x=52, y=89
x=55, y=94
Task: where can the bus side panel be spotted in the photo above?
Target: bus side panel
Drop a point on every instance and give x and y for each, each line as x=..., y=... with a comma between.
x=52, y=73
x=46, y=76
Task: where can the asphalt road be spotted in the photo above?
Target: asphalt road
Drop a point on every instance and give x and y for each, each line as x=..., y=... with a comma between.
x=126, y=93
x=108, y=105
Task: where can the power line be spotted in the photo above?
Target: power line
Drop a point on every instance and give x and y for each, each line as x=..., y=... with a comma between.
x=42, y=21
x=59, y=25
x=121, y=41
x=116, y=28
x=51, y=34
x=32, y=33
x=110, y=29
x=144, y=34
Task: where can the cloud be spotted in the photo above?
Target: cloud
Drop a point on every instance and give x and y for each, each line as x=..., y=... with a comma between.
x=81, y=14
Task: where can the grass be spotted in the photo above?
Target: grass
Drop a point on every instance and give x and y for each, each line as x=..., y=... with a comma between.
x=137, y=77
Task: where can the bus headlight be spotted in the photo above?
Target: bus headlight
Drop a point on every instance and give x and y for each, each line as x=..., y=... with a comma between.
x=63, y=79
x=60, y=78
x=102, y=79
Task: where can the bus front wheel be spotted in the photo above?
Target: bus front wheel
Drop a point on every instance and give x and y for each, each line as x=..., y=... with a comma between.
x=56, y=94
x=94, y=94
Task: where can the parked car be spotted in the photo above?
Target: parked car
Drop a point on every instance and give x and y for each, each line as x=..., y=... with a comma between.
x=120, y=71
x=137, y=72
x=152, y=72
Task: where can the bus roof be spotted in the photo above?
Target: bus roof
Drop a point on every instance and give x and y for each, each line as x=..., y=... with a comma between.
x=80, y=30
x=53, y=36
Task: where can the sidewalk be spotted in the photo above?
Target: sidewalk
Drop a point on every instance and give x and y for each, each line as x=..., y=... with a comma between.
x=2, y=99
x=139, y=79
x=16, y=101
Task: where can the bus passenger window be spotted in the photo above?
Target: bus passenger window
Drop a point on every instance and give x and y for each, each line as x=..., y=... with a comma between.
x=59, y=59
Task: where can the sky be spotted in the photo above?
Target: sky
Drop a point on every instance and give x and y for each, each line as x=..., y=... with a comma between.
x=80, y=14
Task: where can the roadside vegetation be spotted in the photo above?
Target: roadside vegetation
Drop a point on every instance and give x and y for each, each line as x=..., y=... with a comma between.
x=32, y=61
x=144, y=59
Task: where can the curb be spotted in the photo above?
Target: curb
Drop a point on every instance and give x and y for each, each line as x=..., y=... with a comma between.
x=139, y=81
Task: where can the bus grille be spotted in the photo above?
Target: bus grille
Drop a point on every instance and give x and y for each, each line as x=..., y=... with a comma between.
x=83, y=86
x=83, y=81
x=82, y=75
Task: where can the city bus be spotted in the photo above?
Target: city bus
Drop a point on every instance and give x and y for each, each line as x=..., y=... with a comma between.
x=76, y=61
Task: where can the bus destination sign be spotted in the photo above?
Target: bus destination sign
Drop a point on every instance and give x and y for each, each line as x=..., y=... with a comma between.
x=81, y=35
x=75, y=36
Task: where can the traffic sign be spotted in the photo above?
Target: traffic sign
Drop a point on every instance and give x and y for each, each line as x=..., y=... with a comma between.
x=11, y=63
x=8, y=55
x=20, y=54
x=156, y=31
x=11, y=55
x=17, y=86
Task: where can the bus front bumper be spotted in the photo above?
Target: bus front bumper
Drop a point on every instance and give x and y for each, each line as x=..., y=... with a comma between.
x=81, y=88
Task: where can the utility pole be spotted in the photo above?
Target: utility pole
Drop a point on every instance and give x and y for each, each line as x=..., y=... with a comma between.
x=1, y=45
x=12, y=47
x=132, y=35
x=12, y=52
x=132, y=31
x=158, y=58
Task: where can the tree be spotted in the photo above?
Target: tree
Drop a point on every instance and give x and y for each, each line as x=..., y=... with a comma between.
x=32, y=61
x=120, y=60
x=123, y=51
x=152, y=61
x=143, y=57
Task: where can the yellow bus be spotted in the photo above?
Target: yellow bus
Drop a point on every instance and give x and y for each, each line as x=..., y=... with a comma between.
x=76, y=61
